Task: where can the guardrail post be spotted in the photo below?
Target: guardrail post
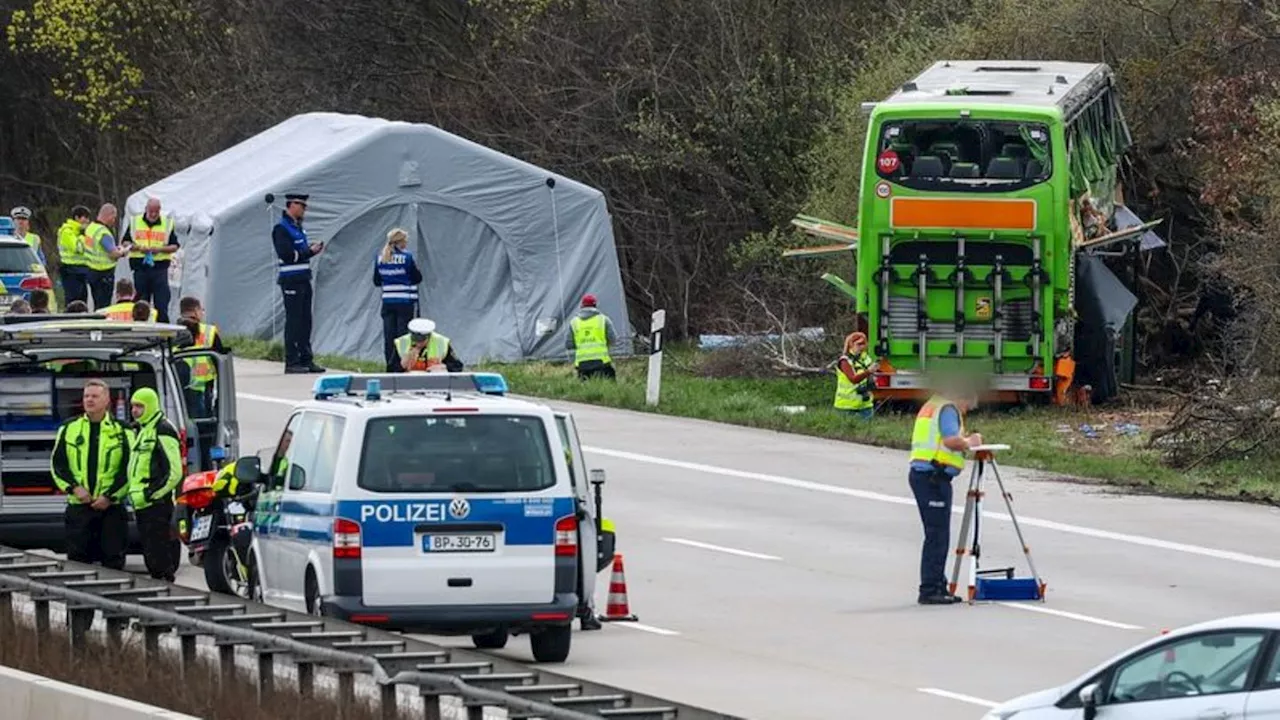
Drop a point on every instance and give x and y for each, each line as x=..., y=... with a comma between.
x=151, y=646
x=115, y=631
x=226, y=665
x=42, y=616
x=475, y=712
x=390, y=702
x=346, y=693
x=6, y=608
x=306, y=680
x=432, y=706
x=188, y=655
x=266, y=676
x=79, y=621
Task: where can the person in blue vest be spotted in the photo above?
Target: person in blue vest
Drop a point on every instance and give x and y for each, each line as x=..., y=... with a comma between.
x=293, y=274
x=396, y=272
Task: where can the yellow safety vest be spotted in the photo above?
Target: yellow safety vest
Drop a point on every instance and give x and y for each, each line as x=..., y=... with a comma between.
x=202, y=370
x=147, y=238
x=95, y=256
x=847, y=397
x=437, y=348
x=926, y=437
x=590, y=339
x=71, y=243
x=74, y=436
x=123, y=311
x=33, y=240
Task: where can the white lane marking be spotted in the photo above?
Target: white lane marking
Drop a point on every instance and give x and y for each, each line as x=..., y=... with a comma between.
x=958, y=509
x=721, y=548
x=267, y=399
x=1071, y=615
x=647, y=628
x=957, y=696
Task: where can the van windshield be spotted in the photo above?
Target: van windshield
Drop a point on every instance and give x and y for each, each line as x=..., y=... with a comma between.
x=456, y=453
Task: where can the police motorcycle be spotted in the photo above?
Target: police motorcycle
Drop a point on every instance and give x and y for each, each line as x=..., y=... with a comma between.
x=217, y=527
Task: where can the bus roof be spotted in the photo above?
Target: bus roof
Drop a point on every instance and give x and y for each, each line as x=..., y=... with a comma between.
x=1066, y=85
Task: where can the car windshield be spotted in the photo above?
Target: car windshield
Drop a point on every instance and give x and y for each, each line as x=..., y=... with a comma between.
x=19, y=259
x=963, y=154
x=445, y=453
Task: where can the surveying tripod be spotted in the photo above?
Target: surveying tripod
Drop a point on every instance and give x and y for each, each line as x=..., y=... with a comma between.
x=990, y=588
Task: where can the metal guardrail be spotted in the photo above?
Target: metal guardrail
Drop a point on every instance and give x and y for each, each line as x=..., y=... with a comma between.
x=480, y=680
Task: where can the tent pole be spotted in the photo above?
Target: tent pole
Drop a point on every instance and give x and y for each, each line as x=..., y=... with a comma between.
x=555, y=226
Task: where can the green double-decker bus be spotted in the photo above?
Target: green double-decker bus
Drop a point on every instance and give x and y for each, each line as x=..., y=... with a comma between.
x=989, y=200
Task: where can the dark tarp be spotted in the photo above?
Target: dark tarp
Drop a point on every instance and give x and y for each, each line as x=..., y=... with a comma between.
x=1104, y=305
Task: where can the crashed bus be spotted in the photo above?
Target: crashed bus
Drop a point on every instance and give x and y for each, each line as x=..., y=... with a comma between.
x=989, y=197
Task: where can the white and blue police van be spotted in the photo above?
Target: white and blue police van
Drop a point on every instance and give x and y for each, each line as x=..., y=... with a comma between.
x=430, y=503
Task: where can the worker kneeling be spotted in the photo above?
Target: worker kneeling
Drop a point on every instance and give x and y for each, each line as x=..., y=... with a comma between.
x=422, y=349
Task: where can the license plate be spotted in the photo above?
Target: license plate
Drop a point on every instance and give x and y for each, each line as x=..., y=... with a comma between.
x=202, y=527
x=482, y=542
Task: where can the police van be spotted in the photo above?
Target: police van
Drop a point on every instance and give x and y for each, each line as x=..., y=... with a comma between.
x=425, y=502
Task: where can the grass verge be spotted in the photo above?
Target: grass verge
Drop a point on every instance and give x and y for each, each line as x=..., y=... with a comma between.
x=1092, y=445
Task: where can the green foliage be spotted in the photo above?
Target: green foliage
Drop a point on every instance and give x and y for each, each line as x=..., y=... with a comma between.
x=92, y=45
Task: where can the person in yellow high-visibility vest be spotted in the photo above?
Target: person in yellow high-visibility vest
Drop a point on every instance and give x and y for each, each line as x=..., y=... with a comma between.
x=154, y=243
x=422, y=349
x=853, y=378
x=101, y=252
x=22, y=219
x=72, y=270
x=122, y=309
x=938, y=447
x=590, y=337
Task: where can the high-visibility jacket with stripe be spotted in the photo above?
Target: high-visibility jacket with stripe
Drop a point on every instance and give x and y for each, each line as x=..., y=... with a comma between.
x=69, y=463
x=95, y=255
x=202, y=369
x=432, y=358
x=847, y=396
x=155, y=462
x=926, y=436
x=71, y=243
x=397, y=283
x=148, y=238
x=590, y=339
x=123, y=311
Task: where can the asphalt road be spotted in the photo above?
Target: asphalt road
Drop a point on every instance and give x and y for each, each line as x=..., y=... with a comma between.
x=774, y=575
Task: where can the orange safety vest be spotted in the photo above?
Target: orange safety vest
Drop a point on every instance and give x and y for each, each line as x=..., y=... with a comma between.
x=148, y=239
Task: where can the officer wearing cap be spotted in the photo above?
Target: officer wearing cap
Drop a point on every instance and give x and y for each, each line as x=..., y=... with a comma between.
x=293, y=274
x=424, y=349
x=22, y=218
x=590, y=336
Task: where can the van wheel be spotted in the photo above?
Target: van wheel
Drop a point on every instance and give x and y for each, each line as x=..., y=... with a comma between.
x=551, y=645
x=495, y=640
x=315, y=606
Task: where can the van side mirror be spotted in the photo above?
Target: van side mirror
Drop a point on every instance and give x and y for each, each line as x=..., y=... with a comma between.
x=597, y=476
x=297, y=478
x=1089, y=697
x=249, y=470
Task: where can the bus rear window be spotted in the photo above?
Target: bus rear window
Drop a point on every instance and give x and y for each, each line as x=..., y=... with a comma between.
x=963, y=154
x=445, y=453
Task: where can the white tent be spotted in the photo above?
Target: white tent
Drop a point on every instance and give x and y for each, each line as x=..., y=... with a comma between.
x=506, y=249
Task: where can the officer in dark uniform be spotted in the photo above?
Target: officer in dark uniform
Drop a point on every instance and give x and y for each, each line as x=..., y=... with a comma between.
x=293, y=253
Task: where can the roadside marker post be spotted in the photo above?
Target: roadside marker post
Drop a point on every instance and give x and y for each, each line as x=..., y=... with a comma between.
x=654, y=386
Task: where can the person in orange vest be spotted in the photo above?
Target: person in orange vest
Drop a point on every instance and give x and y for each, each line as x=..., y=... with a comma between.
x=122, y=310
x=154, y=243
x=424, y=349
x=206, y=334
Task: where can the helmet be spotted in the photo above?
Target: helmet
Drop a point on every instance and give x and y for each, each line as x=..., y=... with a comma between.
x=21, y=213
x=421, y=327
x=588, y=300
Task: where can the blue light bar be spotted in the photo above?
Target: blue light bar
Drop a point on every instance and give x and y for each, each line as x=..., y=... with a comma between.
x=329, y=385
x=373, y=389
x=217, y=452
x=490, y=383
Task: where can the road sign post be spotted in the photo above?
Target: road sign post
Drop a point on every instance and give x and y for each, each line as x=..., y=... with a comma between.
x=655, y=357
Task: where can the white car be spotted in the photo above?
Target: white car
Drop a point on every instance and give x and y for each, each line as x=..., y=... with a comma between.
x=1224, y=669
x=430, y=503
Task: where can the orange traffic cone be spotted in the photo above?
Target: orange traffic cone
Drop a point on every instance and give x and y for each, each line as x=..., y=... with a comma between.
x=618, y=610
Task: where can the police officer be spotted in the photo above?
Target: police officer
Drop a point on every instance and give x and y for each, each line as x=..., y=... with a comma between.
x=590, y=337
x=938, y=447
x=155, y=469
x=293, y=253
x=22, y=218
x=396, y=272
x=101, y=254
x=90, y=463
x=424, y=349
x=154, y=243
x=73, y=272
x=853, y=378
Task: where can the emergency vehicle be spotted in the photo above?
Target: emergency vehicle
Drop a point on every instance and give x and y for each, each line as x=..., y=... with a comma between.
x=430, y=502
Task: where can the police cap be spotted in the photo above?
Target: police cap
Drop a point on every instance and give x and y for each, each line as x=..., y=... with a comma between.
x=419, y=328
x=295, y=198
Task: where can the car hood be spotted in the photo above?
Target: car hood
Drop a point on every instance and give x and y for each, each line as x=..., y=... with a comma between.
x=1037, y=699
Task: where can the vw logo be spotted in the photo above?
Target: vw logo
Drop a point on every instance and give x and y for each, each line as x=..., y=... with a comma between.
x=459, y=508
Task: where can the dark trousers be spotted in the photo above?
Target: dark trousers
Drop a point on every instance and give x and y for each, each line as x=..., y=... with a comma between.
x=74, y=284
x=97, y=536
x=933, y=498
x=297, y=323
x=159, y=546
x=101, y=284
x=395, y=322
x=152, y=284
x=596, y=369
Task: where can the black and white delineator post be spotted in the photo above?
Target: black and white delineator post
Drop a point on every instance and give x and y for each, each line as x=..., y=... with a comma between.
x=654, y=385
x=981, y=587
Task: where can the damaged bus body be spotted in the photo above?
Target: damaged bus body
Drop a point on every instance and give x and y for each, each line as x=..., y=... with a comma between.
x=989, y=198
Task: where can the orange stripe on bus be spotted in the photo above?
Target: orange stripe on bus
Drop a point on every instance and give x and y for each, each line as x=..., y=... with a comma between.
x=948, y=213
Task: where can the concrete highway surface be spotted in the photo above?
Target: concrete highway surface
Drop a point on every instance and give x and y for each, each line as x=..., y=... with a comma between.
x=775, y=575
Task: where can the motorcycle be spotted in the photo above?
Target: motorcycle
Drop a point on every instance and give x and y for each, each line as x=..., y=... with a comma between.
x=218, y=530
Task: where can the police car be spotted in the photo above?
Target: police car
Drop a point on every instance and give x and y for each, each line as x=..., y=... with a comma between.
x=429, y=503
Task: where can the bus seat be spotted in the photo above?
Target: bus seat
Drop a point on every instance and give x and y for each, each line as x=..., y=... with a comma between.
x=1034, y=168
x=928, y=166
x=965, y=170
x=1015, y=150
x=948, y=149
x=1004, y=168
